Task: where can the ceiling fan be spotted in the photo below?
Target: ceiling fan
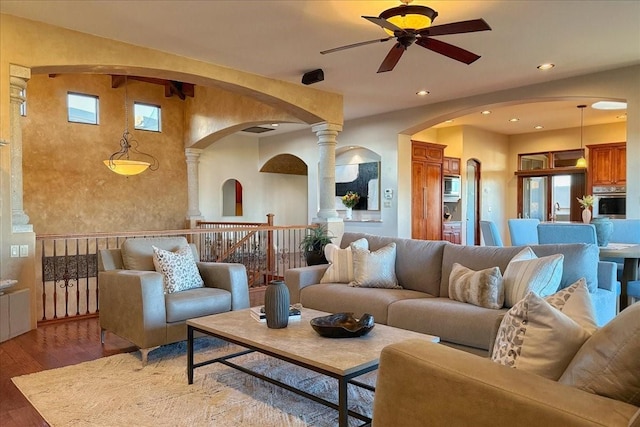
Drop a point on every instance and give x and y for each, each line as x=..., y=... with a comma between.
x=409, y=24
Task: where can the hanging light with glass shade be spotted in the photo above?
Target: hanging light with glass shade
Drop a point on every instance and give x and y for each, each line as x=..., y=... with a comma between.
x=582, y=162
x=129, y=160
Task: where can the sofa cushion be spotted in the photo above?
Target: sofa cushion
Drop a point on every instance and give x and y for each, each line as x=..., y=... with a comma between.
x=197, y=302
x=482, y=288
x=575, y=301
x=580, y=260
x=179, y=269
x=338, y=297
x=340, y=268
x=418, y=262
x=453, y=321
x=137, y=254
x=375, y=269
x=609, y=363
x=536, y=337
x=526, y=272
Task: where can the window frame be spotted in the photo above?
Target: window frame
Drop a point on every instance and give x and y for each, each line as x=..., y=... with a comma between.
x=85, y=95
x=147, y=104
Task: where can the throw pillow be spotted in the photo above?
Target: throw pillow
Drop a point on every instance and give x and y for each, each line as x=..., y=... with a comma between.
x=340, y=268
x=575, y=301
x=375, y=269
x=609, y=363
x=535, y=337
x=525, y=273
x=179, y=269
x=482, y=288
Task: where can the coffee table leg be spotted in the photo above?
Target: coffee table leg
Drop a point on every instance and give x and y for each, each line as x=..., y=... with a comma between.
x=343, y=409
x=190, y=354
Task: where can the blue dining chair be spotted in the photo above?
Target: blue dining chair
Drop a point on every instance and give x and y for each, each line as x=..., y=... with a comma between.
x=555, y=232
x=490, y=233
x=523, y=231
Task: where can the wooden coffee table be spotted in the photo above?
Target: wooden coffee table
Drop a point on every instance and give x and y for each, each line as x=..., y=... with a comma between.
x=343, y=359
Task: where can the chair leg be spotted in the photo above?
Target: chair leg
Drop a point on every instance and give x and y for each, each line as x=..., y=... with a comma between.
x=103, y=332
x=145, y=354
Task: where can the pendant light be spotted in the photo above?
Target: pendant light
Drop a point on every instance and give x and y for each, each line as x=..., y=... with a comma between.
x=120, y=162
x=582, y=162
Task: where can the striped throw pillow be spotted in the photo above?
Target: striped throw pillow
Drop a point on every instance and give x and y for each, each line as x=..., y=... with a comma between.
x=528, y=273
x=340, y=268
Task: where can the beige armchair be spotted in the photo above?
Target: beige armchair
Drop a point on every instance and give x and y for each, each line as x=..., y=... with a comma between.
x=133, y=304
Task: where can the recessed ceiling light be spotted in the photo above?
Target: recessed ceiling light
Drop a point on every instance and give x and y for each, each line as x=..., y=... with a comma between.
x=622, y=116
x=275, y=125
x=448, y=121
x=609, y=105
x=515, y=119
x=422, y=93
x=538, y=127
x=547, y=66
x=485, y=112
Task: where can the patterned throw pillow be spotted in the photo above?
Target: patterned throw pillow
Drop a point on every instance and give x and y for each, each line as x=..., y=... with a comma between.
x=375, y=269
x=526, y=272
x=340, y=268
x=179, y=269
x=536, y=337
x=482, y=288
x=575, y=301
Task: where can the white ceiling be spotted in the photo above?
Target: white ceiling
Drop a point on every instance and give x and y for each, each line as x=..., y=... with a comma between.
x=282, y=40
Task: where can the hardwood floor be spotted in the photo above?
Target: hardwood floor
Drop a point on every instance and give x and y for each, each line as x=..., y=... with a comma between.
x=50, y=346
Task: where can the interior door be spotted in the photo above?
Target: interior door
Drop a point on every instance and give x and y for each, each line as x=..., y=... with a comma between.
x=473, y=203
x=534, y=197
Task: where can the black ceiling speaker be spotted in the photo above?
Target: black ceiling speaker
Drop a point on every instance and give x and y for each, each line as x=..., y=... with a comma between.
x=312, y=77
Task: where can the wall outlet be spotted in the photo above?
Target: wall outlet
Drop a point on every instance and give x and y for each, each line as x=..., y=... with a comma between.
x=24, y=250
x=15, y=251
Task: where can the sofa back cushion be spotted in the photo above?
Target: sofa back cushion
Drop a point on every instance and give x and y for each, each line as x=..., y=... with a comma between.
x=418, y=262
x=580, y=260
x=137, y=254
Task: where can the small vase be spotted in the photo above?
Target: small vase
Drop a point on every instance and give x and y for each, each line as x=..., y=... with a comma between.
x=586, y=215
x=276, y=304
x=604, y=228
x=349, y=213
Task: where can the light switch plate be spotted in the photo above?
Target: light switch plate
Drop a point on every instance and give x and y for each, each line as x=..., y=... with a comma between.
x=24, y=250
x=15, y=251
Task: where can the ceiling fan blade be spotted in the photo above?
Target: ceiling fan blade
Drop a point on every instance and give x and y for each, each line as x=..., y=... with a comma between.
x=447, y=49
x=456, y=28
x=349, y=46
x=392, y=58
x=384, y=23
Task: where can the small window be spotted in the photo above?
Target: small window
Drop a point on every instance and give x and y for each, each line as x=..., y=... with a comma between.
x=82, y=108
x=147, y=117
x=23, y=105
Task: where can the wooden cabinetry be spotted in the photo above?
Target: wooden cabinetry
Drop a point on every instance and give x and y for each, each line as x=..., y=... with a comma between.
x=608, y=164
x=426, y=190
x=451, y=166
x=452, y=232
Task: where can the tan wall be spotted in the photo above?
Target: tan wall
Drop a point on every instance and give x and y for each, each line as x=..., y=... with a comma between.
x=68, y=189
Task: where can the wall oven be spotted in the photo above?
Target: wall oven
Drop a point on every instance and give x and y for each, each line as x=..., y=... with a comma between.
x=610, y=201
x=451, y=188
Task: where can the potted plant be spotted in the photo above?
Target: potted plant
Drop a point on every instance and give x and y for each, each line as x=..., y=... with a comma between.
x=313, y=243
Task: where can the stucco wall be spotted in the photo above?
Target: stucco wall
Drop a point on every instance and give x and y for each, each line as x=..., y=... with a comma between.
x=68, y=189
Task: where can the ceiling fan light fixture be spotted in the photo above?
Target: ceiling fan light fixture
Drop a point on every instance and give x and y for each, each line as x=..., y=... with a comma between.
x=409, y=17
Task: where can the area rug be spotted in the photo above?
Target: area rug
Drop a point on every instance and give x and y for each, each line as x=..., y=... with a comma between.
x=119, y=391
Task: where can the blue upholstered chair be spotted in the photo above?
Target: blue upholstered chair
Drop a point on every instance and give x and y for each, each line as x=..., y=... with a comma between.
x=554, y=232
x=490, y=233
x=523, y=231
x=626, y=231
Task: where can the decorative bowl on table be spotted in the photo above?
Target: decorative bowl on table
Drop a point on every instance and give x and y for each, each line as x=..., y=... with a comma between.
x=343, y=325
x=6, y=284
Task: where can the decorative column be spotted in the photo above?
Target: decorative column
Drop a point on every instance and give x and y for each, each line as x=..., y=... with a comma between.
x=327, y=133
x=193, y=185
x=18, y=77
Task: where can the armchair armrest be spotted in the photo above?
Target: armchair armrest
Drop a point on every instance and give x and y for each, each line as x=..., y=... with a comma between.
x=607, y=276
x=298, y=278
x=132, y=306
x=421, y=383
x=231, y=277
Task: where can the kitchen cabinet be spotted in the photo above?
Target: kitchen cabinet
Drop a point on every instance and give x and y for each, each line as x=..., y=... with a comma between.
x=452, y=232
x=607, y=164
x=426, y=190
x=451, y=166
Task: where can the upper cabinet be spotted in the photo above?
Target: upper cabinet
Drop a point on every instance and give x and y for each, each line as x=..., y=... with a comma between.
x=451, y=166
x=608, y=164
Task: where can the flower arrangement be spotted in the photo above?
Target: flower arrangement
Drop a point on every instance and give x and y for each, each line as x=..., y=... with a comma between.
x=586, y=201
x=350, y=199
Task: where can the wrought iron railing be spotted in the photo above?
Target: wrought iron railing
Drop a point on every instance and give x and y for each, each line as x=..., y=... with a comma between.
x=69, y=263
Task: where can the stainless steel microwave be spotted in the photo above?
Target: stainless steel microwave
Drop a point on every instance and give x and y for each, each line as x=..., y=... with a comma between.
x=452, y=187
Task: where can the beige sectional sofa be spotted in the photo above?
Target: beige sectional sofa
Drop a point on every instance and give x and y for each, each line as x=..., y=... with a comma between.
x=423, y=268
